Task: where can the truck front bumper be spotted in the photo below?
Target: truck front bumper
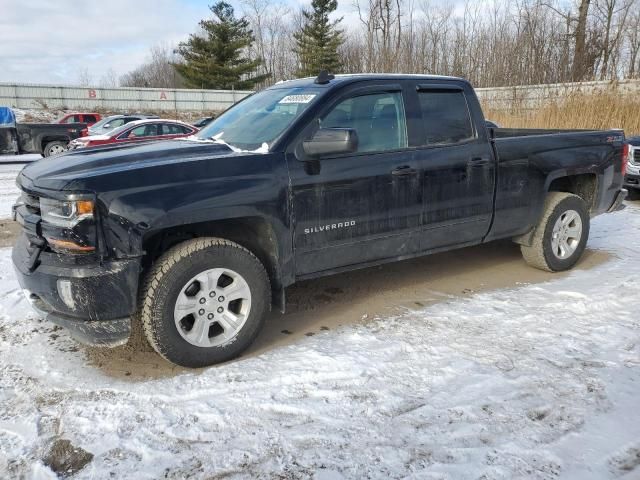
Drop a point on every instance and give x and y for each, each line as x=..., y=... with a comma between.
x=93, y=300
x=632, y=178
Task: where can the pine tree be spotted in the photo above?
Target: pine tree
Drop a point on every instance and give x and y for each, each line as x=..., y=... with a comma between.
x=318, y=41
x=215, y=58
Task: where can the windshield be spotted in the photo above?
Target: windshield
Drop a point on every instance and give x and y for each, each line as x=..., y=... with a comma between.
x=118, y=130
x=99, y=124
x=261, y=118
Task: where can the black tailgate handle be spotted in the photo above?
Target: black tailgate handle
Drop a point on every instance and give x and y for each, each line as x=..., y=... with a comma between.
x=404, y=170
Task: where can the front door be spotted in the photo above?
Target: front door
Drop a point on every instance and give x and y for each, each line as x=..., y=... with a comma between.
x=364, y=206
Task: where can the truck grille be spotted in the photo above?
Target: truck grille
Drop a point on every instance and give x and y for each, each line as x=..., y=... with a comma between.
x=32, y=203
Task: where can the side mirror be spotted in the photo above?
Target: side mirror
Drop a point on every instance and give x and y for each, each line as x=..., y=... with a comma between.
x=106, y=125
x=331, y=141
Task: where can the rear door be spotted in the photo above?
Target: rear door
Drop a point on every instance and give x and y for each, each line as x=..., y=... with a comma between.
x=458, y=164
x=364, y=206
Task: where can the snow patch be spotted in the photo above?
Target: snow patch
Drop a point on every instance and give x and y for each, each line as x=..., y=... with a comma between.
x=527, y=382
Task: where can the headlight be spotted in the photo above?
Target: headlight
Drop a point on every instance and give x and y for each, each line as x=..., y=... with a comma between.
x=69, y=225
x=65, y=214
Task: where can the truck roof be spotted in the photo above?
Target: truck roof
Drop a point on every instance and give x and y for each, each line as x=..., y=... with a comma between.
x=354, y=77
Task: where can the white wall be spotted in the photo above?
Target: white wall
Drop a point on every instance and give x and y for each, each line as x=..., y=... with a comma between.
x=533, y=96
x=35, y=96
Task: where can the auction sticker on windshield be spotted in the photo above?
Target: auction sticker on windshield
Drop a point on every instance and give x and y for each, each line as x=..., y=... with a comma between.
x=297, y=98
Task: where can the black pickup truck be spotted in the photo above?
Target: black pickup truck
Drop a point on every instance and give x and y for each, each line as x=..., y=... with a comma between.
x=198, y=238
x=44, y=138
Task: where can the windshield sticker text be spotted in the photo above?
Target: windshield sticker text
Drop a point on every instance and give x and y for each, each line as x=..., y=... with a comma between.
x=297, y=99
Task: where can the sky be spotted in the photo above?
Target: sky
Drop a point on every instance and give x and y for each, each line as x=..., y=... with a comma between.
x=55, y=41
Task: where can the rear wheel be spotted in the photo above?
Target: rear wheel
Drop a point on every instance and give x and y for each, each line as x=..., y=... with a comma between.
x=204, y=302
x=54, y=148
x=561, y=234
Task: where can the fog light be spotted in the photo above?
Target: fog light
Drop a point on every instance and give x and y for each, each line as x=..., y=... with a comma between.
x=64, y=290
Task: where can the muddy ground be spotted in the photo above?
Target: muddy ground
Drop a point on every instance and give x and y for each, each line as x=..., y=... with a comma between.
x=350, y=298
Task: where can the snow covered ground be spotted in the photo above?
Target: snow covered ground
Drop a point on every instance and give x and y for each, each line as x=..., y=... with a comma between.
x=8, y=190
x=534, y=381
x=8, y=172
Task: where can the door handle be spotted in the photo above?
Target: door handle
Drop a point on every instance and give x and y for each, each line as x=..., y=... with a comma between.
x=479, y=162
x=402, y=171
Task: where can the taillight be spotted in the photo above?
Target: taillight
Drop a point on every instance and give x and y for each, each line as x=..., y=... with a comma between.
x=625, y=158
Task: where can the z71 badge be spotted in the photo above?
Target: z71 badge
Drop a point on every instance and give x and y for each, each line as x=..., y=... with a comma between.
x=332, y=226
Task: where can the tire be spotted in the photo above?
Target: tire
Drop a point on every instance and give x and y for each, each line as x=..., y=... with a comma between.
x=559, y=208
x=171, y=289
x=54, y=148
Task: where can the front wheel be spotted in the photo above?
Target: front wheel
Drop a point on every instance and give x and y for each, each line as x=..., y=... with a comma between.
x=561, y=234
x=204, y=302
x=54, y=148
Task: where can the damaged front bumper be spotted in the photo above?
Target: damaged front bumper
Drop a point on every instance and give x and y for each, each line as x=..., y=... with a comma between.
x=93, y=300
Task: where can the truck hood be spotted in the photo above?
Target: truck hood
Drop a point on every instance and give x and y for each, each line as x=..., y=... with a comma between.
x=55, y=173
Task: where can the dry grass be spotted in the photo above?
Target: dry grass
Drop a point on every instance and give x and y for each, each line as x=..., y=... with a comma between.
x=601, y=111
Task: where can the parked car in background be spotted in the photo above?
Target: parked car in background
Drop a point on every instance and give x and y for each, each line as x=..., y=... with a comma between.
x=137, y=131
x=632, y=179
x=88, y=118
x=46, y=139
x=202, y=122
x=114, y=121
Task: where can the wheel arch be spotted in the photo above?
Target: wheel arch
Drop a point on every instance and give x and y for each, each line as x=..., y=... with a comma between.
x=584, y=185
x=254, y=233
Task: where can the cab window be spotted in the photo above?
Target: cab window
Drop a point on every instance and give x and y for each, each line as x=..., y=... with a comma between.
x=446, y=117
x=378, y=119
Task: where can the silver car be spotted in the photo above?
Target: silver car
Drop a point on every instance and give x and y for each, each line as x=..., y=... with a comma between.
x=114, y=121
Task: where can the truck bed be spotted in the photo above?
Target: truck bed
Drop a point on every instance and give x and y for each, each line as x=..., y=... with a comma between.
x=530, y=160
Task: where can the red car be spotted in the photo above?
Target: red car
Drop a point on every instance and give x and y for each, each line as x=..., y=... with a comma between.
x=138, y=131
x=88, y=118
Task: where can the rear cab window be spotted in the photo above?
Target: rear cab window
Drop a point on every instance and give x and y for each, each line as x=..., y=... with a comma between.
x=72, y=119
x=446, y=116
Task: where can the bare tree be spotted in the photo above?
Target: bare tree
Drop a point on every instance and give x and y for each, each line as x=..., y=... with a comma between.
x=109, y=79
x=158, y=70
x=613, y=15
x=84, y=77
x=633, y=41
x=492, y=43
